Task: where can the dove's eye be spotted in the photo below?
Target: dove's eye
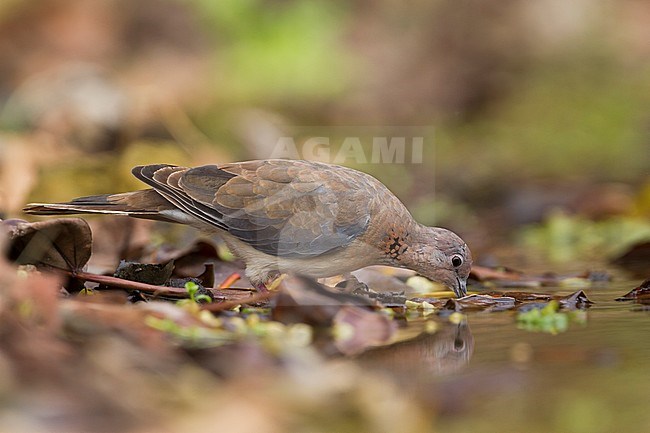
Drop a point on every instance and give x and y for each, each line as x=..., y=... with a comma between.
x=456, y=260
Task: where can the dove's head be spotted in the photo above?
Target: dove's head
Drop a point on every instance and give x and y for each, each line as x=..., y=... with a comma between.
x=442, y=256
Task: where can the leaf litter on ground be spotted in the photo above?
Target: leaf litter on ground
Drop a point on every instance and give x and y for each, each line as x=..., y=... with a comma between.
x=241, y=330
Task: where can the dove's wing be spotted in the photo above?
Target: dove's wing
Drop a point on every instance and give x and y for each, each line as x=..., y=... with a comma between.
x=280, y=207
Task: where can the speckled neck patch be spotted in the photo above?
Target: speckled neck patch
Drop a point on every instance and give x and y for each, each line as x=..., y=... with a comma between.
x=395, y=243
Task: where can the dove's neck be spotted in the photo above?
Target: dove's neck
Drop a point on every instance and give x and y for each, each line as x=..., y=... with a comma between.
x=396, y=240
x=416, y=246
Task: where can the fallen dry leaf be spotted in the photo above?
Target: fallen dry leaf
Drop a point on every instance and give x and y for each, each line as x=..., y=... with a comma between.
x=303, y=300
x=640, y=292
x=157, y=274
x=362, y=329
x=576, y=300
x=62, y=243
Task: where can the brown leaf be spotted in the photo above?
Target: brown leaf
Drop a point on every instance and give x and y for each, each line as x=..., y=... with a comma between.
x=355, y=326
x=643, y=291
x=207, y=277
x=365, y=329
x=482, y=302
x=387, y=298
x=202, y=260
x=451, y=306
x=303, y=300
x=437, y=303
x=523, y=296
x=190, y=261
x=477, y=303
x=63, y=243
x=575, y=300
x=118, y=238
x=156, y=274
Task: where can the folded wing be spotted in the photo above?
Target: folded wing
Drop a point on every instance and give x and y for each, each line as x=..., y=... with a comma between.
x=280, y=207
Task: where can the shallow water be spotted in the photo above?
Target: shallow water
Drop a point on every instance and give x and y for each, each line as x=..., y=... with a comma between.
x=487, y=375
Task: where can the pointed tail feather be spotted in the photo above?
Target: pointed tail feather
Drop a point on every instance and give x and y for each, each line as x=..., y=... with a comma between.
x=139, y=204
x=92, y=204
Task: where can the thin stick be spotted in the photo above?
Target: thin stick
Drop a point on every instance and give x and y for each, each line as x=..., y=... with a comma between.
x=227, y=305
x=229, y=281
x=129, y=285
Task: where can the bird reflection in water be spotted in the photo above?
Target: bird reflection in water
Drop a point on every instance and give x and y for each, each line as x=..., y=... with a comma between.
x=428, y=355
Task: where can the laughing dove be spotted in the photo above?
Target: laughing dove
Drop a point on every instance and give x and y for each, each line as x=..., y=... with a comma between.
x=281, y=216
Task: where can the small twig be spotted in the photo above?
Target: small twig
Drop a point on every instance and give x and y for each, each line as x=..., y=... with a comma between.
x=227, y=305
x=229, y=281
x=129, y=285
x=171, y=291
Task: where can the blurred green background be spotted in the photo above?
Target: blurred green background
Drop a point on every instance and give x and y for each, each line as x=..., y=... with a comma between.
x=539, y=109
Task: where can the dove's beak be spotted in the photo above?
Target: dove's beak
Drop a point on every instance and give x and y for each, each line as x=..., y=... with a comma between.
x=461, y=288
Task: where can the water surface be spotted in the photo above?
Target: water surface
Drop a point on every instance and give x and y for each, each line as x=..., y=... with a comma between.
x=487, y=375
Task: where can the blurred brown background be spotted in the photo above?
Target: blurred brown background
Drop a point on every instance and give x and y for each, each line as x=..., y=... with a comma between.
x=540, y=109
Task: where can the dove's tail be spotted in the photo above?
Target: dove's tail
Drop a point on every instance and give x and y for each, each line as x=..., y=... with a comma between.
x=140, y=204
